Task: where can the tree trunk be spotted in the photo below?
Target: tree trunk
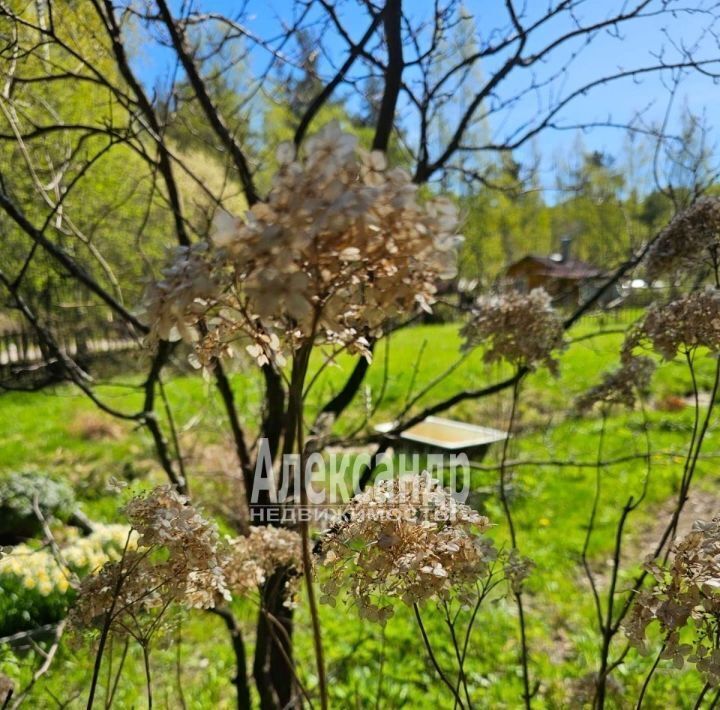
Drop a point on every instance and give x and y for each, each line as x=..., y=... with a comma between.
x=240, y=680
x=273, y=670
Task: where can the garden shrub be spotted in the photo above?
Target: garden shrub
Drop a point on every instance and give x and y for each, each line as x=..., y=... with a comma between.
x=36, y=588
x=18, y=493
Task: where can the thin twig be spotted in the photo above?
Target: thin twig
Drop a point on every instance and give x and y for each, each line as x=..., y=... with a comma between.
x=433, y=660
x=648, y=678
x=43, y=669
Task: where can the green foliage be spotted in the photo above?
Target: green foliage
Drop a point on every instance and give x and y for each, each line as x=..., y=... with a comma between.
x=35, y=581
x=116, y=220
x=503, y=223
x=23, y=608
x=592, y=213
x=605, y=213
x=551, y=504
x=20, y=492
x=102, y=198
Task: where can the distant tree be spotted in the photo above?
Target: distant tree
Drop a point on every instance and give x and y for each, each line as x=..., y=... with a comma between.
x=300, y=86
x=590, y=209
x=505, y=220
x=655, y=210
x=372, y=92
x=689, y=163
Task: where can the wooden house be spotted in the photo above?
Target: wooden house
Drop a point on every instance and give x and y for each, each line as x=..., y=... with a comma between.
x=568, y=280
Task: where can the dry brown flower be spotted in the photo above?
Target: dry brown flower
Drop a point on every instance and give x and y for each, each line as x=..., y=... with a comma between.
x=689, y=322
x=406, y=539
x=164, y=519
x=690, y=242
x=584, y=689
x=620, y=386
x=521, y=328
x=517, y=569
x=686, y=595
x=250, y=560
x=121, y=589
x=177, y=559
x=177, y=301
x=341, y=245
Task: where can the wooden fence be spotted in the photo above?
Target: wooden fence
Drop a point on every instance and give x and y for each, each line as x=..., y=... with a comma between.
x=22, y=347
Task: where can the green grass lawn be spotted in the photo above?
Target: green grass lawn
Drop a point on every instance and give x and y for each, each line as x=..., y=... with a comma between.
x=552, y=497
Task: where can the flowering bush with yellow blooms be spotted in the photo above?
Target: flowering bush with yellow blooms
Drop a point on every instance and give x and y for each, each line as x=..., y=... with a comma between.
x=38, y=584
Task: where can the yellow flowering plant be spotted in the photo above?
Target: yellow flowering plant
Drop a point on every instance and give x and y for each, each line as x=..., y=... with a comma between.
x=38, y=585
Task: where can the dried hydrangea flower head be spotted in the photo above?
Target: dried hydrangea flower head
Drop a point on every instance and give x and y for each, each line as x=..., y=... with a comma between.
x=251, y=560
x=517, y=569
x=178, y=559
x=165, y=519
x=521, y=328
x=122, y=589
x=620, y=386
x=690, y=242
x=584, y=689
x=689, y=322
x=177, y=556
x=686, y=594
x=342, y=244
x=407, y=539
x=176, y=302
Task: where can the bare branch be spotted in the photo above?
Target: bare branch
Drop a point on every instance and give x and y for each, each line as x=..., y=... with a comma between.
x=393, y=75
x=211, y=112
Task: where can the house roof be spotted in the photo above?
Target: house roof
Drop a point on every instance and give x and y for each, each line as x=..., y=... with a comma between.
x=568, y=269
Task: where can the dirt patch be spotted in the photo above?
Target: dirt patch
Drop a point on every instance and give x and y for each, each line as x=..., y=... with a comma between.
x=216, y=477
x=641, y=542
x=702, y=504
x=94, y=426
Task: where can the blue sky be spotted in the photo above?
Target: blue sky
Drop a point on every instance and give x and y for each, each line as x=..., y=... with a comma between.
x=618, y=101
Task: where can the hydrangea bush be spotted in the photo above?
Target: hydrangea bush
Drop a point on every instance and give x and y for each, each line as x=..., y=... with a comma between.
x=684, y=603
x=21, y=492
x=176, y=556
x=340, y=245
x=406, y=539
